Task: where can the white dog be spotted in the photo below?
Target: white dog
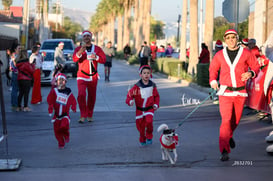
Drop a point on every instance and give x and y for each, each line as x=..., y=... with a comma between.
x=168, y=141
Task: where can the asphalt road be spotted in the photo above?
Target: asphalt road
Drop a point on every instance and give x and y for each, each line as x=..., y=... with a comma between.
x=108, y=148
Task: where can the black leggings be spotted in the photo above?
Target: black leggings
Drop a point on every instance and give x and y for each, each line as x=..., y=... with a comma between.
x=24, y=88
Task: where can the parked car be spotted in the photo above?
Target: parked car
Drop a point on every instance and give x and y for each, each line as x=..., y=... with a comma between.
x=51, y=44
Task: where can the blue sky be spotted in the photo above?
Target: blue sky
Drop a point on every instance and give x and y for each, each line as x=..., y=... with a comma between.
x=166, y=10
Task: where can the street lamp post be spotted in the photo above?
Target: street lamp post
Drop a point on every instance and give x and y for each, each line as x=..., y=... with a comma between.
x=178, y=23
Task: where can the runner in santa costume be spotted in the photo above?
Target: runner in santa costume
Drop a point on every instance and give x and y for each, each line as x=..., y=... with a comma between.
x=268, y=85
x=236, y=65
x=88, y=56
x=60, y=99
x=145, y=95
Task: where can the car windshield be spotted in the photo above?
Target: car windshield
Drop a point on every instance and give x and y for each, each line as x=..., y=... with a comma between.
x=49, y=56
x=51, y=45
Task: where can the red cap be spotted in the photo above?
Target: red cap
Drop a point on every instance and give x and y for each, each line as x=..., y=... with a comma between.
x=61, y=75
x=86, y=32
x=231, y=31
x=245, y=41
x=256, y=51
x=219, y=44
x=145, y=66
x=61, y=43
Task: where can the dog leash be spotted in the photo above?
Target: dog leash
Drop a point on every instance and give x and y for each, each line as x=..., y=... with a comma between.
x=210, y=96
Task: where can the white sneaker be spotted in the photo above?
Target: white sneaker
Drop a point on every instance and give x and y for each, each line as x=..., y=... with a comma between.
x=269, y=138
x=269, y=149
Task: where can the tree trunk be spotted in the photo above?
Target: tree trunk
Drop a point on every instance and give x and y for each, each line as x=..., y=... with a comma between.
x=183, y=39
x=209, y=21
x=193, y=60
x=136, y=29
x=140, y=26
x=126, y=35
x=120, y=29
x=147, y=15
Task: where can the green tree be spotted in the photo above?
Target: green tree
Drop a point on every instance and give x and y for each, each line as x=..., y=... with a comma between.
x=156, y=31
x=68, y=30
x=6, y=4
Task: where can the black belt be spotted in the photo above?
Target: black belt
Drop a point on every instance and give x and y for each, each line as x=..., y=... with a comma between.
x=144, y=108
x=61, y=116
x=236, y=88
x=93, y=73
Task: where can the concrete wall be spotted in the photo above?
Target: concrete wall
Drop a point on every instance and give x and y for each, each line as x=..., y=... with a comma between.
x=10, y=30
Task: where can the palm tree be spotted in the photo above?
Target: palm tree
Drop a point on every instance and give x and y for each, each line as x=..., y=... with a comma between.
x=147, y=20
x=6, y=4
x=193, y=60
x=183, y=40
x=127, y=14
x=209, y=20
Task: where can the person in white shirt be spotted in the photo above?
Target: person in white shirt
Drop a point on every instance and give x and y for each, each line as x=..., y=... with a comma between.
x=36, y=59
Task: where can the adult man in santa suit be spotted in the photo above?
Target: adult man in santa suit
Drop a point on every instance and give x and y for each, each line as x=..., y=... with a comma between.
x=88, y=56
x=236, y=65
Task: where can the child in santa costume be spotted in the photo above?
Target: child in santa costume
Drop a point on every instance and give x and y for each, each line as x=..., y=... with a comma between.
x=60, y=99
x=88, y=56
x=236, y=65
x=145, y=95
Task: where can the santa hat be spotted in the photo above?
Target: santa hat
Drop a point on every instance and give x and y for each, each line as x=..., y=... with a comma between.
x=245, y=41
x=86, y=32
x=219, y=44
x=145, y=67
x=231, y=31
x=61, y=43
x=61, y=75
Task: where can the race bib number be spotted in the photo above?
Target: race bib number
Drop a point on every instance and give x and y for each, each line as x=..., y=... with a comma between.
x=62, y=98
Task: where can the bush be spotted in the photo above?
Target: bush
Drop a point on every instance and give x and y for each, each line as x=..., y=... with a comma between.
x=133, y=60
x=203, y=74
x=119, y=55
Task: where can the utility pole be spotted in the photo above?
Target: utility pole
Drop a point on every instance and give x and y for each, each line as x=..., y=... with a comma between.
x=201, y=25
x=24, y=39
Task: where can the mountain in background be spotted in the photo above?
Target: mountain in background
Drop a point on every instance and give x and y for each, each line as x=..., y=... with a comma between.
x=79, y=16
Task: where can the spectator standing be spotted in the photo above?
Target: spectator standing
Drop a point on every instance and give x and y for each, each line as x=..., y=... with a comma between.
x=169, y=50
x=204, y=55
x=88, y=56
x=127, y=51
x=14, y=77
x=35, y=59
x=144, y=54
x=25, y=76
x=109, y=53
x=161, y=51
x=59, y=55
x=153, y=48
x=236, y=66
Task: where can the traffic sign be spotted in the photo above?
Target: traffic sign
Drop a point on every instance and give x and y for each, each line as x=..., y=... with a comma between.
x=229, y=8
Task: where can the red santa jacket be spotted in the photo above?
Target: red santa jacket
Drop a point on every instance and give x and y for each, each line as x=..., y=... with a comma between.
x=168, y=142
x=25, y=69
x=145, y=96
x=61, y=101
x=230, y=74
x=87, y=67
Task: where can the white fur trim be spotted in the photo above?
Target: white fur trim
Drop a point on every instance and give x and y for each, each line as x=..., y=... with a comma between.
x=79, y=56
x=144, y=114
x=213, y=82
